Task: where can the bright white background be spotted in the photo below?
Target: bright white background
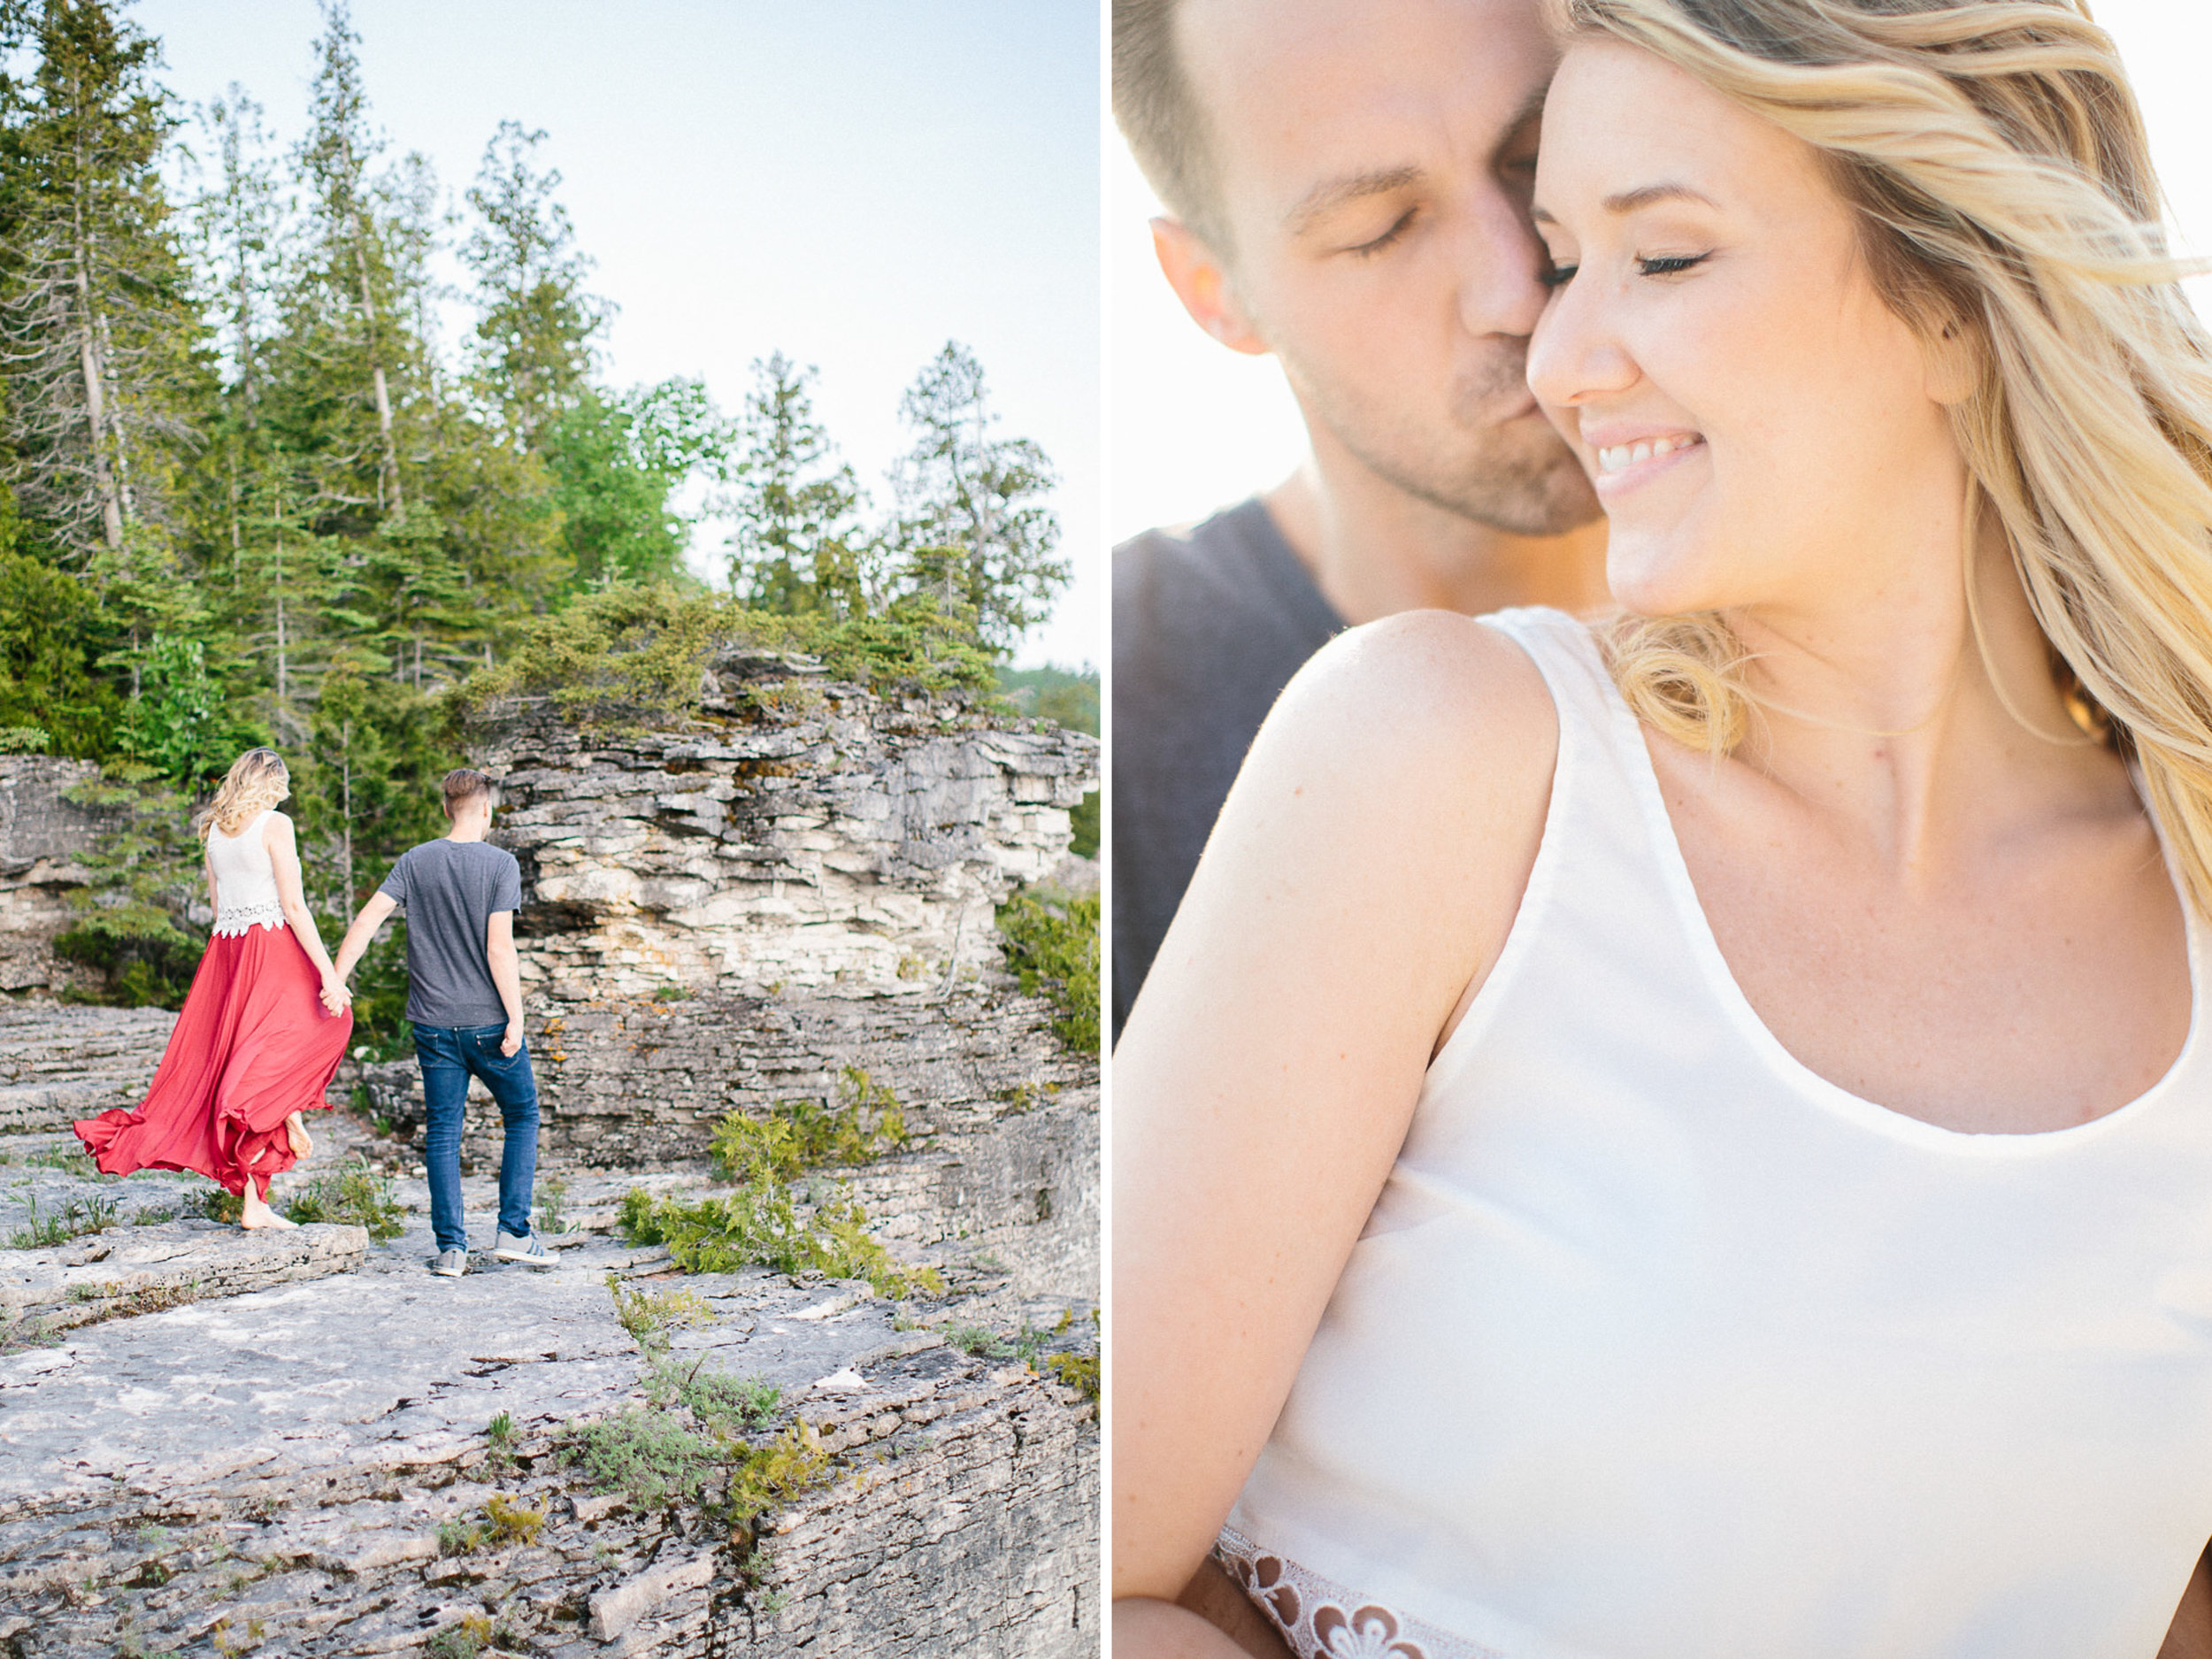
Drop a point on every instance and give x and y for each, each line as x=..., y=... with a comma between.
x=851, y=182
x=1192, y=426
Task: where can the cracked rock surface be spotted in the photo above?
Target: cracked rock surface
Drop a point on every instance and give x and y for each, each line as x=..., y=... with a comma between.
x=268, y=1469
x=59, y=1062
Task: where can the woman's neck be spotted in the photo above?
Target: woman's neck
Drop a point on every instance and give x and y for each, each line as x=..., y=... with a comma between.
x=1916, y=730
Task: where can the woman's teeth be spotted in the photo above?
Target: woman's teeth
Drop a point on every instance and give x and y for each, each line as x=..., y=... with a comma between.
x=1626, y=455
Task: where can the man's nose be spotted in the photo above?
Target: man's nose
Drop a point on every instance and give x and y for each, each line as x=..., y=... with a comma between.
x=1500, y=262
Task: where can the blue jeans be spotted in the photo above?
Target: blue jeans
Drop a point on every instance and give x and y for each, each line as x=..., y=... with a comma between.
x=449, y=1055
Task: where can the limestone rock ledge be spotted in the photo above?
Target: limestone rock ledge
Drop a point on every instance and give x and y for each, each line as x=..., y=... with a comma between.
x=125, y=1271
x=58, y=1063
x=1004, y=1120
x=269, y=1473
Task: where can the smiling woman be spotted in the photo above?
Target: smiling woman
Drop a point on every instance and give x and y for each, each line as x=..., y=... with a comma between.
x=1693, y=1135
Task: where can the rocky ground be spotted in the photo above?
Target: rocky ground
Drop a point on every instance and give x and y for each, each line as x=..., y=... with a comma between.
x=214, y=1442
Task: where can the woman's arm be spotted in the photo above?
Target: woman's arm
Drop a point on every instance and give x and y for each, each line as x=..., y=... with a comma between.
x=278, y=836
x=207, y=869
x=1362, y=876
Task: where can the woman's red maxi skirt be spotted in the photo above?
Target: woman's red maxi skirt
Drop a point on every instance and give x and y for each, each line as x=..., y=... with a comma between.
x=253, y=1045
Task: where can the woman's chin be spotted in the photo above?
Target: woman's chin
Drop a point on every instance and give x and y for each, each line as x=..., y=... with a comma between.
x=1648, y=586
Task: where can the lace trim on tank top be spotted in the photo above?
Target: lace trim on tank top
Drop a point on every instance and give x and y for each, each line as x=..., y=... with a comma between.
x=1321, y=1619
x=244, y=919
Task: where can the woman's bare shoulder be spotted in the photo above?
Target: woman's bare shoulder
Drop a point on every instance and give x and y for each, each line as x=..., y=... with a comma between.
x=1427, y=710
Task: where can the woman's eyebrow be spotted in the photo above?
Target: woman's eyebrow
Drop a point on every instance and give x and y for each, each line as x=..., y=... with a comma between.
x=1644, y=195
x=1629, y=201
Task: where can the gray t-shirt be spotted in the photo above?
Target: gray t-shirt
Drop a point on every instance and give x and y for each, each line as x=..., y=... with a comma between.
x=1209, y=626
x=449, y=890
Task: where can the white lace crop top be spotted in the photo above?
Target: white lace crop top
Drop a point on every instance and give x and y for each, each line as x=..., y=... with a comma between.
x=1659, y=1346
x=245, y=878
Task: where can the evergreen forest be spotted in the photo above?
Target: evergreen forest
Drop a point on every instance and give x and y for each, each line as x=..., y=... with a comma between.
x=250, y=492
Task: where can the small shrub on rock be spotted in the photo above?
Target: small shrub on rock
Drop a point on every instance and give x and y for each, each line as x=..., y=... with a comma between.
x=359, y=1195
x=649, y=1456
x=760, y=1225
x=866, y=1124
x=649, y=1315
x=1077, y=1370
x=464, y=1638
x=723, y=1404
x=654, y=1458
x=1052, y=943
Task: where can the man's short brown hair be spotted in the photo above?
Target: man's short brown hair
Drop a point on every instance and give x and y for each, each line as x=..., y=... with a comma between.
x=463, y=785
x=1160, y=116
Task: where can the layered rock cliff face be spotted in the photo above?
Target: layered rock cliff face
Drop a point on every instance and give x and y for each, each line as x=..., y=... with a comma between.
x=797, y=836
x=43, y=837
x=798, y=885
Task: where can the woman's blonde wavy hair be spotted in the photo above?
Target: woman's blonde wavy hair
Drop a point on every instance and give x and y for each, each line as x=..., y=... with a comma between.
x=256, y=779
x=1996, y=160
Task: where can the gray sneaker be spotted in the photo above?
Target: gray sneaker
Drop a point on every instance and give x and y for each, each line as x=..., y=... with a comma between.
x=530, y=1251
x=451, y=1263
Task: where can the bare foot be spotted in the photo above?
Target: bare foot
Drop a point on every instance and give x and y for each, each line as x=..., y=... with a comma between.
x=302, y=1143
x=257, y=1213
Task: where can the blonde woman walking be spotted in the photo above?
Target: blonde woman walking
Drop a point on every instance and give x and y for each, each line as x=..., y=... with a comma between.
x=1691, y=1138
x=265, y=1025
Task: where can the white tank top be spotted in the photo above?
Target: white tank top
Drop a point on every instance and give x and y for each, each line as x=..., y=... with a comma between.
x=245, y=878
x=1659, y=1346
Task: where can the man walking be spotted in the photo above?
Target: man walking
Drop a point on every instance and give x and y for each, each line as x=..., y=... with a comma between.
x=1348, y=188
x=464, y=1000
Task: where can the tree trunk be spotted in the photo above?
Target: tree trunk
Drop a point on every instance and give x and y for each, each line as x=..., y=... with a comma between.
x=283, y=682
x=88, y=361
x=390, y=469
x=345, y=799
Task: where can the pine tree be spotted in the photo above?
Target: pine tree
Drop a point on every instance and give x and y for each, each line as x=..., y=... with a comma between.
x=348, y=356
x=798, y=545
x=973, y=527
x=98, y=341
x=535, y=324
x=238, y=226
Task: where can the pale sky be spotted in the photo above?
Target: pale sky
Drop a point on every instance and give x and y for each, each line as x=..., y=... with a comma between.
x=851, y=182
x=1192, y=426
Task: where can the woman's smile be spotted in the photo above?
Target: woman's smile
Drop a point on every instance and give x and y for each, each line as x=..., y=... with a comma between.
x=1626, y=458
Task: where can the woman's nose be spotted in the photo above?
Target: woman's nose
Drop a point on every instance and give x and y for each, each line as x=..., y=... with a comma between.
x=1575, y=355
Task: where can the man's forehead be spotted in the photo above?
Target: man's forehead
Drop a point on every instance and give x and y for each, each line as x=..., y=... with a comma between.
x=1297, y=91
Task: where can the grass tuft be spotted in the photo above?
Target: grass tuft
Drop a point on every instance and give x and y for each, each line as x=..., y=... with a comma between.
x=80, y=1217
x=358, y=1194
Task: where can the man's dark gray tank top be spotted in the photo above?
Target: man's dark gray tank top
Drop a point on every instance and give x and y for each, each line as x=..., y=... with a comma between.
x=1210, y=623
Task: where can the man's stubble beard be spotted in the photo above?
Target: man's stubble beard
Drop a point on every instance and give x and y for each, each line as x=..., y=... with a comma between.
x=1521, y=479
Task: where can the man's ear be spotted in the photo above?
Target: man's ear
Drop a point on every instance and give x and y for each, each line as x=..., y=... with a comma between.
x=1196, y=275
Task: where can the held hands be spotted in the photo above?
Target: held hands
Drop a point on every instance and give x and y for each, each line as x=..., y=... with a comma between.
x=512, y=1040
x=334, y=995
